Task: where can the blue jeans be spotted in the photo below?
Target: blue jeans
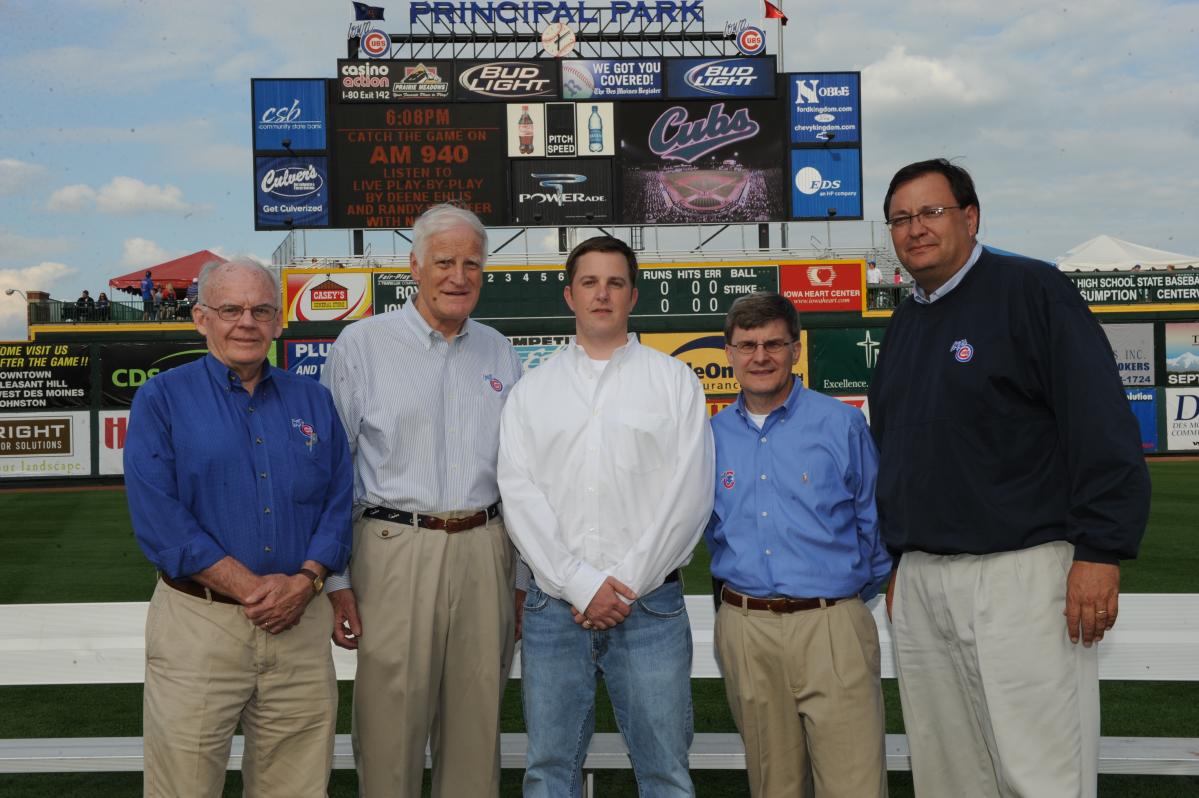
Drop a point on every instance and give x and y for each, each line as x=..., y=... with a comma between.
x=645, y=662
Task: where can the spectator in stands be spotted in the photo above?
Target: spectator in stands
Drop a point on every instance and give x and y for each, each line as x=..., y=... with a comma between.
x=897, y=278
x=170, y=302
x=798, y=647
x=1136, y=267
x=147, y=297
x=242, y=514
x=1011, y=484
x=85, y=307
x=158, y=303
x=429, y=599
x=874, y=281
x=193, y=292
x=103, y=310
x=606, y=473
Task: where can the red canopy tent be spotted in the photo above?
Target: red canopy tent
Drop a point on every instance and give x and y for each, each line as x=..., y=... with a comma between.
x=178, y=272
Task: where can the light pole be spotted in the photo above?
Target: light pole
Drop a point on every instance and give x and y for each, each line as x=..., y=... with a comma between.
x=11, y=291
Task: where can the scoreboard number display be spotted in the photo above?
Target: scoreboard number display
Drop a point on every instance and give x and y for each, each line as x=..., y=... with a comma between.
x=699, y=292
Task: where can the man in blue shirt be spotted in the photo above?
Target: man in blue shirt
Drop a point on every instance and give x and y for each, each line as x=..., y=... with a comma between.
x=147, y=296
x=794, y=539
x=239, y=484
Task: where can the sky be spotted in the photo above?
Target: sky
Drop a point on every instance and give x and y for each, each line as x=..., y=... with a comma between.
x=125, y=126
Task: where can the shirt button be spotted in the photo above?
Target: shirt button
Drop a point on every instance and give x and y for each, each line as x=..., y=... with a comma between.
x=763, y=440
x=763, y=476
x=769, y=552
x=763, y=513
x=266, y=548
x=251, y=409
x=385, y=532
x=263, y=475
x=268, y=511
x=258, y=440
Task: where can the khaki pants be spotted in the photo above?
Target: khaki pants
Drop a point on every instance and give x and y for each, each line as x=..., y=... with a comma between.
x=433, y=661
x=996, y=699
x=804, y=689
x=208, y=667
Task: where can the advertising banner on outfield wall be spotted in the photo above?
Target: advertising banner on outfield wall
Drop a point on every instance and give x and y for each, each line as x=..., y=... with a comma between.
x=611, y=78
x=393, y=290
x=823, y=287
x=328, y=296
x=1182, y=353
x=702, y=162
x=1182, y=419
x=45, y=444
x=114, y=425
x=291, y=110
x=489, y=81
x=826, y=184
x=1143, y=402
x=306, y=357
x=125, y=367
x=704, y=354
x=825, y=107
x=373, y=81
x=699, y=78
x=1132, y=346
x=291, y=192
x=534, y=350
x=42, y=376
x=1133, y=288
x=858, y=401
x=843, y=361
x=558, y=193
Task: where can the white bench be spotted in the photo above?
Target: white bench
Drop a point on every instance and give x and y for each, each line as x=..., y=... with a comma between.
x=1157, y=639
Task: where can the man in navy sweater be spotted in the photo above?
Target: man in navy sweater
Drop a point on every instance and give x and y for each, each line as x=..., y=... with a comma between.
x=1011, y=484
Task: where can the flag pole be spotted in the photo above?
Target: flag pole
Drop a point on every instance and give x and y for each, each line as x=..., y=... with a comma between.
x=782, y=50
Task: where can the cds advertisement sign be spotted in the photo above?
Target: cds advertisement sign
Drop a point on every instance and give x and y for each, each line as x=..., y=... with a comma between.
x=289, y=110
x=364, y=81
x=45, y=445
x=699, y=162
x=708, y=78
x=291, y=192
x=489, y=81
x=612, y=79
x=125, y=367
x=826, y=184
x=1143, y=402
x=825, y=107
x=558, y=193
x=307, y=357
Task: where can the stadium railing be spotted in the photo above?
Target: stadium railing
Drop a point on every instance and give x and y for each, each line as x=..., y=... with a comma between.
x=1157, y=640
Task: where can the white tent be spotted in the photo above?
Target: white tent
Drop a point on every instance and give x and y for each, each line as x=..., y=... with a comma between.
x=1107, y=254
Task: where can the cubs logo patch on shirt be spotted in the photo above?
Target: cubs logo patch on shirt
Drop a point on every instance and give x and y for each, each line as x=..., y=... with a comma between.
x=728, y=479
x=494, y=382
x=963, y=351
x=306, y=429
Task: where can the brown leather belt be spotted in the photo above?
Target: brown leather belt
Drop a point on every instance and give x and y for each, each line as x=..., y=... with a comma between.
x=781, y=605
x=196, y=589
x=448, y=525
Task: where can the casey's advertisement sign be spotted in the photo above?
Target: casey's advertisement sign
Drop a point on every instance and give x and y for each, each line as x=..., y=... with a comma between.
x=328, y=296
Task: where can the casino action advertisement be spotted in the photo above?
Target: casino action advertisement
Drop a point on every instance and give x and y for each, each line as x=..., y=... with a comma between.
x=291, y=192
x=702, y=162
x=393, y=162
x=45, y=444
x=339, y=295
x=368, y=81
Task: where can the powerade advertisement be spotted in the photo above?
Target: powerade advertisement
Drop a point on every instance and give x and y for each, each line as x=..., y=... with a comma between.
x=291, y=192
x=1143, y=402
x=826, y=184
x=291, y=110
x=697, y=162
x=562, y=192
x=708, y=78
x=611, y=78
x=825, y=107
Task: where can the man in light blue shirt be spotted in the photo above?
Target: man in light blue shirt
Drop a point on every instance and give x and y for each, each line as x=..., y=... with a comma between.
x=794, y=540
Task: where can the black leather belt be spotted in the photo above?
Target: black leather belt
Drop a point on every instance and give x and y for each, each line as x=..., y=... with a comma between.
x=447, y=525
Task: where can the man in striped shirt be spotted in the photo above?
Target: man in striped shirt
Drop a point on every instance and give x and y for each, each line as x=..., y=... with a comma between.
x=428, y=597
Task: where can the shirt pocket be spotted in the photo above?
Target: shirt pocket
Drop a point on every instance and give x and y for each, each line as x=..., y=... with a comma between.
x=643, y=442
x=310, y=472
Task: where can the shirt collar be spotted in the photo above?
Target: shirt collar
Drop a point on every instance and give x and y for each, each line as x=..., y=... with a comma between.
x=787, y=407
x=226, y=377
x=580, y=354
x=923, y=298
x=421, y=328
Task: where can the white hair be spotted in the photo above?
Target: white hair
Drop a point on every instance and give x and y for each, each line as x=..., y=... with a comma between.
x=212, y=268
x=441, y=218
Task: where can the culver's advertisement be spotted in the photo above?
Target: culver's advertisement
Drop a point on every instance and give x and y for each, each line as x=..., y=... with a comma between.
x=611, y=78
x=291, y=110
x=720, y=77
x=291, y=192
x=825, y=107
x=327, y=296
x=702, y=162
x=826, y=184
x=555, y=193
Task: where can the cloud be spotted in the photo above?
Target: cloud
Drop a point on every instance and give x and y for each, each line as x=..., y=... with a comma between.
x=121, y=195
x=29, y=278
x=138, y=252
x=16, y=176
x=15, y=247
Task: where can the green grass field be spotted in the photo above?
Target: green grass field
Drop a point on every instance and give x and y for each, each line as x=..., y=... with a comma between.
x=78, y=546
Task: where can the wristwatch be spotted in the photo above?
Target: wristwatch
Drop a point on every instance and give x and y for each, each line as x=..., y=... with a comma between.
x=318, y=582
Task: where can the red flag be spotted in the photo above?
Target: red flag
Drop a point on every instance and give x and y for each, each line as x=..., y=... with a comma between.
x=774, y=12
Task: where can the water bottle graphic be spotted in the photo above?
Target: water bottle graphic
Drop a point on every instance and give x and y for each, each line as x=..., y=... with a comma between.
x=524, y=130
x=595, y=131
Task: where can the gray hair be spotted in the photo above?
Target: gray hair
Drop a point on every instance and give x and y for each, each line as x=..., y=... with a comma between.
x=215, y=267
x=758, y=309
x=441, y=218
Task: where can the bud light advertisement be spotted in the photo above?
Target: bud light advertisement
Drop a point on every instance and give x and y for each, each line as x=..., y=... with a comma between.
x=291, y=192
x=289, y=113
x=708, y=78
x=825, y=107
x=826, y=184
x=695, y=162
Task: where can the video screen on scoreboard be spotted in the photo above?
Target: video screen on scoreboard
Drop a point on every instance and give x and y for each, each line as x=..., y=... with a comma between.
x=703, y=162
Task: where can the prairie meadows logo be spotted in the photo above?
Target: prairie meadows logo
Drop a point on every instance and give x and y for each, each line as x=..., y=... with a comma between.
x=306, y=429
x=728, y=479
x=494, y=382
x=963, y=352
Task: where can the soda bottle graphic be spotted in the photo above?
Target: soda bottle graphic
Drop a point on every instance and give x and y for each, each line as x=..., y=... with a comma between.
x=524, y=129
x=595, y=131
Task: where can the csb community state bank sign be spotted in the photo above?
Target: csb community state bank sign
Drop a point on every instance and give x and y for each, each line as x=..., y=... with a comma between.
x=539, y=12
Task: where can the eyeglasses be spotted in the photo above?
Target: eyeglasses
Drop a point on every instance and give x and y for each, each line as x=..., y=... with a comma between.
x=234, y=312
x=925, y=216
x=772, y=347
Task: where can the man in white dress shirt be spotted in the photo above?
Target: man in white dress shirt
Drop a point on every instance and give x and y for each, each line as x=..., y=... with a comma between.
x=428, y=597
x=606, y=469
